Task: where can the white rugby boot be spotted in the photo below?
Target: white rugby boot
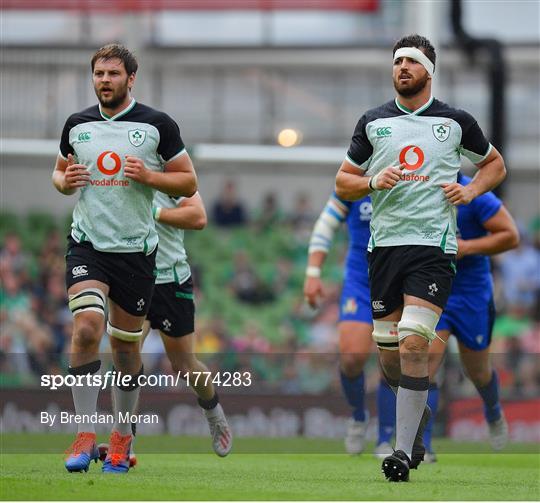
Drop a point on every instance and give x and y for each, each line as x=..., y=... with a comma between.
x=498, y=433
x=383, y=450
x=356, y=436
x=219, y=430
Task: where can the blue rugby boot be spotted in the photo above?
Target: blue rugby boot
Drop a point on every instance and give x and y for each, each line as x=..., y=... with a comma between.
x=117, y=460
x=82, y=452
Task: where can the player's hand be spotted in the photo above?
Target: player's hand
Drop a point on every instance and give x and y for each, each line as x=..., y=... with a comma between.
x=75, y=175
x=458, y=194
x=135, y=169
x=313, y=291
x=387, y=178
x=463, y=248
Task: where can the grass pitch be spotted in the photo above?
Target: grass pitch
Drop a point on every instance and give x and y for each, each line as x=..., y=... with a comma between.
x=315, y=474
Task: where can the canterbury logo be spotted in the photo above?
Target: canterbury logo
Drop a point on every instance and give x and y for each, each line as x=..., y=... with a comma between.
x=383, y=131
x=404, y=158
x=79, y=270
x=109, y=163
x=377, y=305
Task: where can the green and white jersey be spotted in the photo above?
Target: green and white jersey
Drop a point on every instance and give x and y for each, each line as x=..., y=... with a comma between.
x=429, y=141
x=113, y=212
x=171, y=259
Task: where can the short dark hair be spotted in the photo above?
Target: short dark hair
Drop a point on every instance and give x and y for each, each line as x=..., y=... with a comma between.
x=419, y=42
x=111, y=51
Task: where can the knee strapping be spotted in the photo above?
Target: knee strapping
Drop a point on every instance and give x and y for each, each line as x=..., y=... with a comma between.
x=124, y=335
x=89, y=299
x=385, y=334
x=418, y=320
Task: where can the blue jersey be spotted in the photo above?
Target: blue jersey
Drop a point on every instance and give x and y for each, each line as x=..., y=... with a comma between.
x=358, y=220
x=469, y=313
x=474, y=272
x=355, y=302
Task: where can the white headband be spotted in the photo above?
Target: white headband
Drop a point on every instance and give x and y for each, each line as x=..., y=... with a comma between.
x=417, y=55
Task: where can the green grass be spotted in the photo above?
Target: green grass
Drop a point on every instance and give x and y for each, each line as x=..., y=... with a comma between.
x=243, y=476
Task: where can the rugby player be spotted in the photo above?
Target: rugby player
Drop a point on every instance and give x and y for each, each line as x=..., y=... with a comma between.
x=172, y=310
x=355, y=323
x=406, y=154
x=485, y=227
x=115, y=154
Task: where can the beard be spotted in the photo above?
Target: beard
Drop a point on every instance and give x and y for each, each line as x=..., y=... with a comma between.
x=412, y=88
x=116, y=98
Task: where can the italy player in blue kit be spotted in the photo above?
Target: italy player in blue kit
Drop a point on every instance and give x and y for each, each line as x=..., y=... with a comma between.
x=484, y=228
x=355, y=322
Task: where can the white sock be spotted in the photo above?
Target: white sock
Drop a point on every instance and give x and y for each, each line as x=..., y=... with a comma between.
x=125, y=401
x=85, y=397
x=410, y=404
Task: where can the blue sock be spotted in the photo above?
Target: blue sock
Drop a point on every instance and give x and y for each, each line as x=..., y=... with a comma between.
x=386, y=408
x=490, y=396
x=433, y=402
x=353, y=388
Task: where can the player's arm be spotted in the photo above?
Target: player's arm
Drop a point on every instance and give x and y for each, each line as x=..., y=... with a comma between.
x=503, y=236
x=333, y=214
x=189, y=214
x=351, y=181
x=68, y=176
x=491, y=170
x=352, y=184
x=177, y=179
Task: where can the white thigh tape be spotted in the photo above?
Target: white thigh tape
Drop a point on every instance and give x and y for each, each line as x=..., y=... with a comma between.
x=124, y=335
x=89, y=299
x=417, y=320
x=385, y=334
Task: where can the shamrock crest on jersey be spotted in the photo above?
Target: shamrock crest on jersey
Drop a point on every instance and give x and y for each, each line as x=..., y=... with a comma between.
x=137, y=137
x=441, y=131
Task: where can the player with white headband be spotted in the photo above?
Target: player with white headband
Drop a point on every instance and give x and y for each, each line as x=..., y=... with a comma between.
x=418, y=56
x=406, y=155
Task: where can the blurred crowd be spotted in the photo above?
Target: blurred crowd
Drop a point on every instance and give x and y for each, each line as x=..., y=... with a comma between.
x=251, y=315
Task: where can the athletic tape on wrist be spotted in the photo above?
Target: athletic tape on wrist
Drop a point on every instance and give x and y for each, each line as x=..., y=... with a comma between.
x=417, y=55
x=372, y=184
x=313, y=271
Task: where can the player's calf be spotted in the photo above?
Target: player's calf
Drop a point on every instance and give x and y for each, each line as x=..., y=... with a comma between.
x=418, y=448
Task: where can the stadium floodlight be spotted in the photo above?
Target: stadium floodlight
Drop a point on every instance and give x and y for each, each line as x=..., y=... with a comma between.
x=289, y=137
